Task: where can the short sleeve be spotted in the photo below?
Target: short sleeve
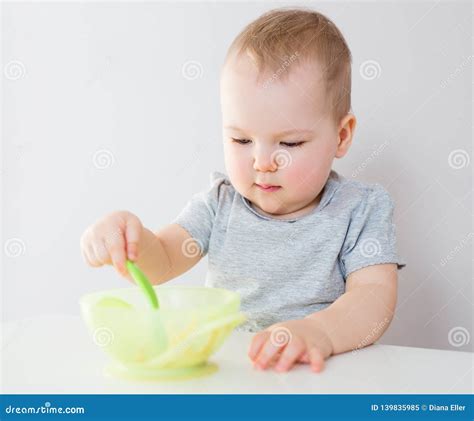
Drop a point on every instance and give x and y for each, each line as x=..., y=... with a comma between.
x=371, y=235
x=198, y=215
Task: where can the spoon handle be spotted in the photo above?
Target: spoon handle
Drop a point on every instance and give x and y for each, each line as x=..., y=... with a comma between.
x=143, y=283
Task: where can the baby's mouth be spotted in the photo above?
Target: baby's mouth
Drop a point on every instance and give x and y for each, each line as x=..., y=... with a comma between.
x=268, y=187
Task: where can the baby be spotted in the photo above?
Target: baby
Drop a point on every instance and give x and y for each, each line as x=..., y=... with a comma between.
x=312, y=254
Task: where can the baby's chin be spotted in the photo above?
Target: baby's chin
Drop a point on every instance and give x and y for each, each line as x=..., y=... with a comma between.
x=273, y=205
x=278, y=206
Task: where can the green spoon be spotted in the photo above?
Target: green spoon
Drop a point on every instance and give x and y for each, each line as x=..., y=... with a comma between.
x=160, y=341
x=143, y=283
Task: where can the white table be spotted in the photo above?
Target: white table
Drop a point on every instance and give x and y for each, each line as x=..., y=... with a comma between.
x=56, y=354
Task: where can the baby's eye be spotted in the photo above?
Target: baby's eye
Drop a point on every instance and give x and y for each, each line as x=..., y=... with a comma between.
x=292, y=145
x=288, y=144
x=241, y=141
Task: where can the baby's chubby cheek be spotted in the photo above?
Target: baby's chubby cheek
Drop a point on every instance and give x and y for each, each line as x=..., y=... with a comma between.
x=239, y=172
x=293, y=175
x=305, y=179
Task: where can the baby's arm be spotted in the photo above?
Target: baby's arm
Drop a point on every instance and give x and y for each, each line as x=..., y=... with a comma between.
x=356, y=319
x=362, y=314
x=162, y=256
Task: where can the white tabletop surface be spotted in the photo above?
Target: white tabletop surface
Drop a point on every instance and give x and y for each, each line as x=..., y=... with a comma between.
x=56, y=354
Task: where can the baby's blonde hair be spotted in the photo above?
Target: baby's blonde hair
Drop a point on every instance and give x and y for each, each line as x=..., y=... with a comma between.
x=280, y=36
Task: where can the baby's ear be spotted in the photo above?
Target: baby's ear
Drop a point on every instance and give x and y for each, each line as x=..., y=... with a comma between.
x=345, y=134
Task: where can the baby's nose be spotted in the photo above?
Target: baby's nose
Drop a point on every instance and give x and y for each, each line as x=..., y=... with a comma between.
x=264, y=161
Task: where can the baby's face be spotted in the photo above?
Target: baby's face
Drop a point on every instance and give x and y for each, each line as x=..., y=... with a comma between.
x=262, y=128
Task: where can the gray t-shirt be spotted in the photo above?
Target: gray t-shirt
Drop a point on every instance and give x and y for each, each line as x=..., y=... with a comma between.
x=287, y=269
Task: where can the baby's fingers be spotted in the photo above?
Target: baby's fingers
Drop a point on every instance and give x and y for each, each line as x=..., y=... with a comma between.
x=267, y=353
x=100, y=253
x=87, y=249
x=132, y=235
x=304, y=358
x=257, y=342
x=116, y=250
x=316, y=358
x=290, y=355
x=89, y=256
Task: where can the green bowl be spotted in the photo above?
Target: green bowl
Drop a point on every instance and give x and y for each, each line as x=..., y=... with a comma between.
x=173, y=342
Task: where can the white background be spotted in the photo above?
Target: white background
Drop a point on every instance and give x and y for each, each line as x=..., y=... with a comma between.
x=79, y=78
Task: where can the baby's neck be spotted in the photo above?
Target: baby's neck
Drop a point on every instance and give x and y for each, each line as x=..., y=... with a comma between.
x=295, y=214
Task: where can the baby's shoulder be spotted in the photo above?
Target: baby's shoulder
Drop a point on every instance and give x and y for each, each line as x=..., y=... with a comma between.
x=220, y=188
x=218, y=178
x=359, y=195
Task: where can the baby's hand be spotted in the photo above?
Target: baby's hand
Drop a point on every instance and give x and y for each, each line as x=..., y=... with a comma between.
x=111, y=240
x=290, y=342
